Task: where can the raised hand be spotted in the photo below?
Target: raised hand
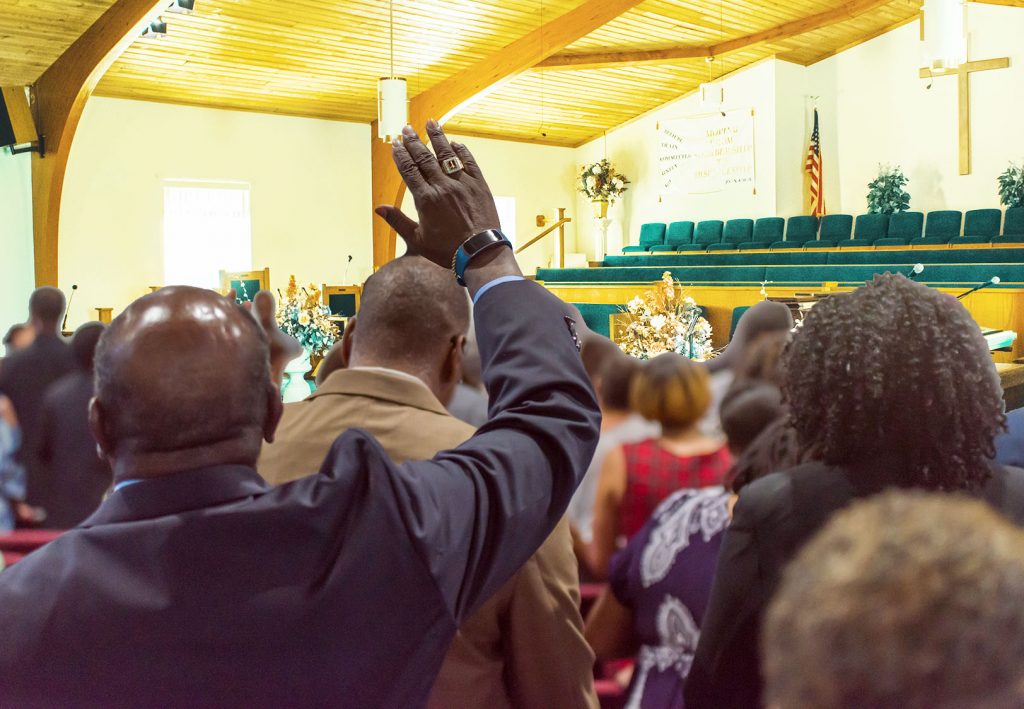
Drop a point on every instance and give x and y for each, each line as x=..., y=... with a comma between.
x=283, y=349
x=452, y=207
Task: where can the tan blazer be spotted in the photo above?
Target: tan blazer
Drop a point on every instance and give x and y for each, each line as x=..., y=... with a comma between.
x=524, y=647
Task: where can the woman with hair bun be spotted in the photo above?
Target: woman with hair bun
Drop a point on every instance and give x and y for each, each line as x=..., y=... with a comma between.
x=674, y=392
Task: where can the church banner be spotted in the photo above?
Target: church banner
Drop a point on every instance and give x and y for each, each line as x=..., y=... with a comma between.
x=707, y=153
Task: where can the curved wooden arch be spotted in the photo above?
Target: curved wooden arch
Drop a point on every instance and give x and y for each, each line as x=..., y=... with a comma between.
x=59, y=97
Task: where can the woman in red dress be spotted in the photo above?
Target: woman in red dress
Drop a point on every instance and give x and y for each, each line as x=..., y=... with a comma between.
x=675, y=392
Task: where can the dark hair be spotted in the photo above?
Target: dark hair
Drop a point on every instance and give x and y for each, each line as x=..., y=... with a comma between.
x=47, y=305
x=615, y=379
x=747, y=410
x=671, y=390
x=408, y=308
x=775, y=449
x=762, y=361
x=905, y=600
x=896, y=372
x=83, y=344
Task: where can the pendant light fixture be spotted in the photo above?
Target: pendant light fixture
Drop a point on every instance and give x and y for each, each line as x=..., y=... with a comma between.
x=945, y=36
x=392, y=94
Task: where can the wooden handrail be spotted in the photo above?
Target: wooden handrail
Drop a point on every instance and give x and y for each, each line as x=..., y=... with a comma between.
x=560, y=225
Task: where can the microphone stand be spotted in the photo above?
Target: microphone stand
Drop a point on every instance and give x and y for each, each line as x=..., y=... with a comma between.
x=991, y=282
x=67, y=310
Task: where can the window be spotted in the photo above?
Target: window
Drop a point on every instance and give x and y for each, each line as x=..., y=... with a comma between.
x=507, y=216
x=207, y=229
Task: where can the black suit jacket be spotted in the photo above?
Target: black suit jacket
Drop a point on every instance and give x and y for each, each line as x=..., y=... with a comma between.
x=773, y=518
x=24, y=378
x=67, y=452
x=208, y=588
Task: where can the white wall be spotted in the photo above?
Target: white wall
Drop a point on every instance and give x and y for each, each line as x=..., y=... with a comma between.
x=540, y=178
x=16, y=267
x=309, y=190
x=884, y=114
x=633, y=151
x=310, y=193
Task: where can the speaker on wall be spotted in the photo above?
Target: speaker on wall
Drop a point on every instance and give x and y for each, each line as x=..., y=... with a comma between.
x=16, y=124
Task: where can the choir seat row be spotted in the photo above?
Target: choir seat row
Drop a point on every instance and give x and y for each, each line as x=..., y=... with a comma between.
x=979, y=226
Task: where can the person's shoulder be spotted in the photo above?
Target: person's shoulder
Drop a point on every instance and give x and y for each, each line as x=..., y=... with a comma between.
x=70, y=385
x=775, y=492
x=1005, y=491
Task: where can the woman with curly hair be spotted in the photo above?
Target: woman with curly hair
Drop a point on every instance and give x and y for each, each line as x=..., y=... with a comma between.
x=891, y=385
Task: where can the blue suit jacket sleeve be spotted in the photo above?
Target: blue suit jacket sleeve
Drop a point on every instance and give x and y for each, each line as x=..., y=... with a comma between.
x=475, y=514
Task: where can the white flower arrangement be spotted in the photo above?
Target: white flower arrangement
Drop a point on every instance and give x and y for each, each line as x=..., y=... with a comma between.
x=666, y=320
x=600, y=182
x=301, y=315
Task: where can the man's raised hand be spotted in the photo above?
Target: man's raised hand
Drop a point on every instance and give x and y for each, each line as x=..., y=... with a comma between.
x=283, y=348
x=451, y=207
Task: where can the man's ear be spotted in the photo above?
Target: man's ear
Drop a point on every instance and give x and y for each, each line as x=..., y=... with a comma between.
x=346, y=341
x=274, y=411
x=453, y=363
x=98, y=428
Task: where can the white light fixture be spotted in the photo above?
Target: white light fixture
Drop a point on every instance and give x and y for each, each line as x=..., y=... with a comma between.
x=712, y=93
x=945, y=36
x=392, y=95
x=712, y=96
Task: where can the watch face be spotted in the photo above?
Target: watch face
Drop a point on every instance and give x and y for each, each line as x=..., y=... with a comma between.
x=482, y=241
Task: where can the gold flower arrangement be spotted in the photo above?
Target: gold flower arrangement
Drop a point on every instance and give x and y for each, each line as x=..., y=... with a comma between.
x=665, y=319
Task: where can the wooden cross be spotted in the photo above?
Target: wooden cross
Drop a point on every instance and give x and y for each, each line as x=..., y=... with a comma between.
x=963, y=74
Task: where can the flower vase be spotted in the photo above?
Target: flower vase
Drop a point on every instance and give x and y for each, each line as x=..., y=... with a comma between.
x=295, y=386
x=601, y=208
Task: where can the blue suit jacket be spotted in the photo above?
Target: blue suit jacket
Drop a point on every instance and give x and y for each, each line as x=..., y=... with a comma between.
x=344, y=589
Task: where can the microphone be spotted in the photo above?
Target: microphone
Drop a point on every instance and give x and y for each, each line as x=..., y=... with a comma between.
x=67, y=310
x=994, y=281
x=345, y=279
x=916, y=271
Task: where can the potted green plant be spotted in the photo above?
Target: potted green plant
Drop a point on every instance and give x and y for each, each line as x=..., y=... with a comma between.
x=1011, y=186
x=886, y=194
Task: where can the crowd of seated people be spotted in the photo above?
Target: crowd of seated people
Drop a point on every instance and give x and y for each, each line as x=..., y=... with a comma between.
x=752, y=515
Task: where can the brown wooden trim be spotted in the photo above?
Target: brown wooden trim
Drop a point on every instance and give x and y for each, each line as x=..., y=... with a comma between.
x=60, y=97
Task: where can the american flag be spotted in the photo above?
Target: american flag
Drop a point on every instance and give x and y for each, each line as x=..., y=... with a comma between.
x=814, y=170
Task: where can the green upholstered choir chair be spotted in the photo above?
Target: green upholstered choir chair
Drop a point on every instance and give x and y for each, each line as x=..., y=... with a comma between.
x=650, y=235
x=707, y=232
x=980, y=226
x=599, y=316
x=737, y=313
x=941, y=227
x=678, y=234
x=903, y=227
x=246, y=283
x=767, y=230
x=834, y=229
x=1013, y=227
x=343, y=301
x=736, y=232
x=799, y=230
x=867, y=229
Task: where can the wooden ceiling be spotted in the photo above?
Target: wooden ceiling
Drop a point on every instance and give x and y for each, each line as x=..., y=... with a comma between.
x=321, y=58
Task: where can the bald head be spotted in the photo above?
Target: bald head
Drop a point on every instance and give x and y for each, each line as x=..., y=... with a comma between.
x=182, y=380
x=46, y=309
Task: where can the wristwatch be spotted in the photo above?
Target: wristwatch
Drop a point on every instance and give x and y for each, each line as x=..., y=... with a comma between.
x=473, y=247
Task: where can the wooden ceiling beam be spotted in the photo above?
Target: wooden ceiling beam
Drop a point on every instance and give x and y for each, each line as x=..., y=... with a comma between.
x=60, y=95
x=786, y=30
x=443, y=100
